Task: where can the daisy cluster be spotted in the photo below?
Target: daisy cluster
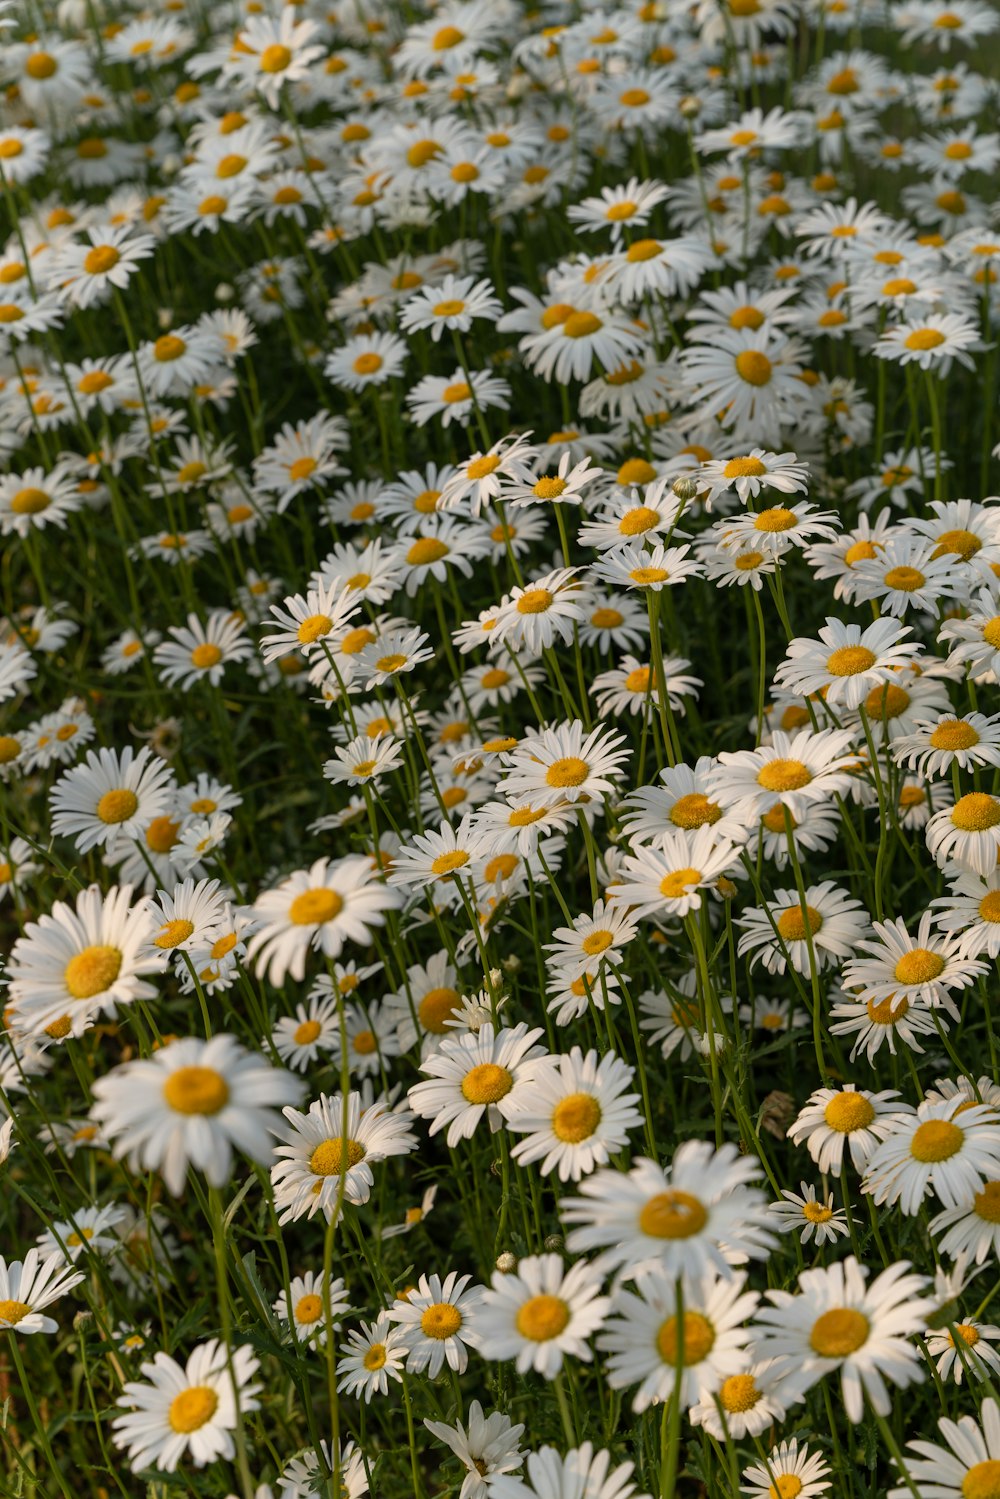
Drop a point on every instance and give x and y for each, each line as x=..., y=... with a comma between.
x=499, y=768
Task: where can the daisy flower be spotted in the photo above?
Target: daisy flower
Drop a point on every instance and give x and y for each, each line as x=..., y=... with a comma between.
x=201, y=651
x=693, y=1322
x=84, y=273
x=667, y=880
x=308, y=620
x=564, y=764
x=876, y=1023
x=451, y=304
x=682, y=1220
x=750, y=475
x=74, y=963
x=847, y=661
x=752, y=376
x=438, y=1319
x=34, y=499
x=618, y=208
x=372, y=1355
x=751, y=1401
x=907, y=572
x=968, y=833
x=28, y=1286
x=189, y=1104
x=391, y=654
x=318, y=909
x=186, y=1411
x=789, y=1468
x=486, y=1448
x=977, y=1357
x=477, y=1074
x=367, y=359
x=454, y=397
x=806, y=1215
x=90, y=1230
x=576, y=1115
x=793, y=771
x=549, y=608
x=839, y=1322
x=932, y=343
x=924, y=969
x=831, y=923
x=850, y=1117
x=541, y=1313
x=112, y=796
x=301, y=1039
x=929, y=1152
x=933, y=747
x=309, y=1175
x=449, y=853
x=272, y=53
x=308, y=1302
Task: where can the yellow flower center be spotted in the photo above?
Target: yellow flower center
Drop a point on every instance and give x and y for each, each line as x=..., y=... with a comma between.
x=437, y=1006
x=173, y=933
x=549, y=488
x=487, y=1083
x=308, y=1309
x=30, y=501
x=570, y=771
x=888, y=1011
x=168, y=348
x=375, y=1358
x=850, y=661
x=936, y=1140
x=976, y=812
x=441, y=1321
x=314, y=628
x=924, y=338
x=192, y=1408
x=739, y=1393
x=206, y=656
x=817, y=1212
x=581, y=324
x=885, y=702
x=777, y=519
x=672, y=1215
x=327, y=1158
x=162, y=834
x=367, y=364
x=847, y=1112
x=839, y=1333
x=792, y=923
x=196, y=1090
x=697, y=1337
x=92, y=971
x=426, y=551
x=918, y=966
x=448, y=863
x=789, y=1486
x=307, y=1032
x=982, y=1481
x=275, y=59
x=11, y=1312
x=314, y=907
x=961, y=543
x=784, y=775
x=365, y=1043
x=100, y=259
x=575, y=1118
x=635, y=522
x=753, y=367
x=676, y=884
x=494, y=677
x=986, y=1204
x=904, y=579
x=744, y=468
x=542, y=1318
x=991, y=632
x=117, y=806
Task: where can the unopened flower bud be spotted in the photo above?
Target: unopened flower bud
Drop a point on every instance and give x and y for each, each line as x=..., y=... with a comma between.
x=553, y=1243
x=684, y=488
x=506, y=1262
x=690, y=107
